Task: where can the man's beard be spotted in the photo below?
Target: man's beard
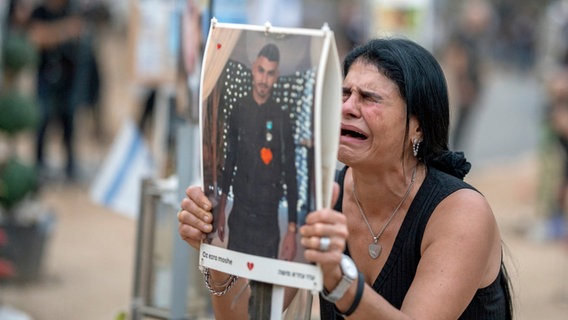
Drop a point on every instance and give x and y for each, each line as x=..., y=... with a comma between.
x=263, y=90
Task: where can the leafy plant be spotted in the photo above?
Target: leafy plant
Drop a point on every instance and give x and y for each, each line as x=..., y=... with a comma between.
x=16, y=181
x=18, y=112
x=17, y=53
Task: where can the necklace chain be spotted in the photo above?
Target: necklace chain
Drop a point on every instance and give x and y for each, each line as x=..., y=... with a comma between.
x=376, y=237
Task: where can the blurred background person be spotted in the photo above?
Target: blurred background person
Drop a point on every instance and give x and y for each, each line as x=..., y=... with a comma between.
x=17, y=15
x=463, y=55
x=557, y=120
x=62, y=81
x=87, y=90
x=553, y=38
x=553, y=70
x=54, y=30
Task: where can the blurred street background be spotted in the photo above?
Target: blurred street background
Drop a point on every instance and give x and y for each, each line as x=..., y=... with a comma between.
x=505, y=62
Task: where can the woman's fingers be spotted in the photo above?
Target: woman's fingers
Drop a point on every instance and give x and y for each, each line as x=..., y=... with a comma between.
x=325, y=222
x=196, y=195
x=325, y=216
x=195, y=220
x=190, y=235
x=195, y=217
x=324, y=236
x=195, y=214
x=323, y=244
x=327, y=259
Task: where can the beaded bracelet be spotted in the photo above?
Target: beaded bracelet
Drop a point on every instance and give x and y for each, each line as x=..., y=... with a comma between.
x=227, y=283
x=357, y=299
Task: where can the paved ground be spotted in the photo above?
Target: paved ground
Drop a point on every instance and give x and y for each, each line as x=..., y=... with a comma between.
x=88, y=270
x=88, y=266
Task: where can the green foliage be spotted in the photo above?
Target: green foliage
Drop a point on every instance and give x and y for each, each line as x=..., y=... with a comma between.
x=16, y=181
x=17, y=53
x=121, y=316
x=17, y=112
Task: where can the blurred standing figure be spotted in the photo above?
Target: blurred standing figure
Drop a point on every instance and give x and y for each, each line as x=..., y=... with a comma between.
x=553, y=68
x=55, y=31
x=463, y=56
x=17, y=15
x=557, y=120
x=553, y=36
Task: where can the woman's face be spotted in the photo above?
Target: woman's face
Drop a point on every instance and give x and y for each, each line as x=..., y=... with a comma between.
x=373, y=121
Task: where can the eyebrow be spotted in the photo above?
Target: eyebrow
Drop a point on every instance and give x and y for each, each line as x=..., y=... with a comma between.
x=362, y=93
x=264, y=70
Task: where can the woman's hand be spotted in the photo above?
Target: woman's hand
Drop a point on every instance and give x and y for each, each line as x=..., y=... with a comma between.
x=195, y=217
x=325, y=223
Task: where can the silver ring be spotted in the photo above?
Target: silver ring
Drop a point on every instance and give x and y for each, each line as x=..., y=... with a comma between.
x=324, y=243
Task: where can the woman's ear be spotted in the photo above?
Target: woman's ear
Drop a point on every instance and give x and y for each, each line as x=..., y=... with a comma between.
x=415, y=131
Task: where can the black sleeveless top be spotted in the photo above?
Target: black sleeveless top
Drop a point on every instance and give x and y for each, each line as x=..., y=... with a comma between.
x=398, y=272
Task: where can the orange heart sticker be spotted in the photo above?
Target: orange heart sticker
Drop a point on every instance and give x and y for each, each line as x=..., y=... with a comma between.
x=250, y=265
x=266, y=155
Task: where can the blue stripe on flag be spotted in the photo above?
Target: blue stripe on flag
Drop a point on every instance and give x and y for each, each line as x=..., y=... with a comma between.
x=119, y=178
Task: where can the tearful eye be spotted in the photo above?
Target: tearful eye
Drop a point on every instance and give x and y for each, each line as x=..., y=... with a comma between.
x=353, y=134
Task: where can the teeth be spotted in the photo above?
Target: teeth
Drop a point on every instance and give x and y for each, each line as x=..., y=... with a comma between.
x=354, y=134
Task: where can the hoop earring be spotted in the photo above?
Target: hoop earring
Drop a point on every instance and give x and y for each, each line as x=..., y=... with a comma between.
x=415, y=146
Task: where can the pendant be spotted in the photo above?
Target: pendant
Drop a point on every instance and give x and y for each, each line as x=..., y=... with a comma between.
x=375, y=250
x=268, y=133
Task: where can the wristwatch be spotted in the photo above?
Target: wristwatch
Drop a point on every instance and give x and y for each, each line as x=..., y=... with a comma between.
x=349, y=271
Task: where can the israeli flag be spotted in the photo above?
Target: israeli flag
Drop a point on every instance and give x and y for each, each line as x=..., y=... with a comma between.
x=118, y=184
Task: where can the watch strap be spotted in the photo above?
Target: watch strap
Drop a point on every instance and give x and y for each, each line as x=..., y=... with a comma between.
x=339, y=290
x=347, y=270
x=357, y=299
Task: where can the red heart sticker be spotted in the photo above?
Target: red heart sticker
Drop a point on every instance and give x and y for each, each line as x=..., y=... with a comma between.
x=266, y=155
x=218, y=46
x=250, y=265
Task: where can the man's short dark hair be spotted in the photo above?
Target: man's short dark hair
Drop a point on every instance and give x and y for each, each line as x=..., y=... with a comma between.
x=270, y=51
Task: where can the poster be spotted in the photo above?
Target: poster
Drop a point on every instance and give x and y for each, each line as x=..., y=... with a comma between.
x=409, y=18
x=154, y=41
x=270, y=102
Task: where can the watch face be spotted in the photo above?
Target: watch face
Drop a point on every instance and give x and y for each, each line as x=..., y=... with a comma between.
x=348, y=267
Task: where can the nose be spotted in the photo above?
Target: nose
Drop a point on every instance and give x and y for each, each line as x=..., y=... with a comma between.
x=350, y=107
x=263, y=78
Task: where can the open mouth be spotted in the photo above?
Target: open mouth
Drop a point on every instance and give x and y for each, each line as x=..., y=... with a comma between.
x=353, y=134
